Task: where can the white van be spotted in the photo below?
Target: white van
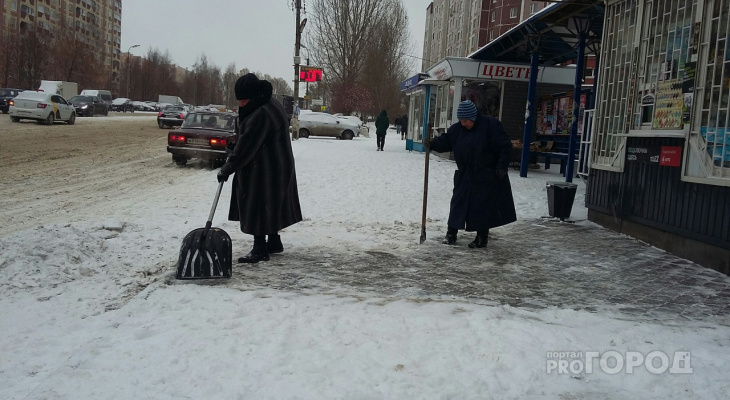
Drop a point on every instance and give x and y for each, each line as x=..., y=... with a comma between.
x=103, y=94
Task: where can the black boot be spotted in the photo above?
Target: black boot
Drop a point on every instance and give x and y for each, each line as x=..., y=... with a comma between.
x=450, y=238
x=481, y=240
x=258, y=253
x=273, y=245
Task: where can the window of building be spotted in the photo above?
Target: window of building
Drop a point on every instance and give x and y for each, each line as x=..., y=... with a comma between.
x=26, y=10
x=673, y=80
x=613, y=104
x=13, y=5
x=491, y=35
x=709, y=138
x=494, y=16
x=533, y=8
x=513, y=12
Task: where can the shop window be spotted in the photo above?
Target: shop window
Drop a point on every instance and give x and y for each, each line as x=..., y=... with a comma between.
x=615, y=90
x=709, y=139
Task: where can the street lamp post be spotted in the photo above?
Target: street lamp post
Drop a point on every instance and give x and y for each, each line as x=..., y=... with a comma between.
x=129, y=76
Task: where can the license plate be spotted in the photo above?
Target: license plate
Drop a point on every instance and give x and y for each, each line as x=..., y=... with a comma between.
x=197, y=141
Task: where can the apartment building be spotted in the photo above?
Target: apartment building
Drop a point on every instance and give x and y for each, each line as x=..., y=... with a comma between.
x=456, y=28
x=97, y=22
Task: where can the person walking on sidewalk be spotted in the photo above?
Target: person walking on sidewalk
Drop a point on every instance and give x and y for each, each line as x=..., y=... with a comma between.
x=482, y=196
x=403, y=126
x=264, y=195
x=381, y=128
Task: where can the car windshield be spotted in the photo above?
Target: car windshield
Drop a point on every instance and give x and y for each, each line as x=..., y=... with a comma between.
x=80, y=99
x=119, y=100
x=174, y=109
x=210, y=121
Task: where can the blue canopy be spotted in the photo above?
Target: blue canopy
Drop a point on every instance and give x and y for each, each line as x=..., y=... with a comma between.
x=553, y=30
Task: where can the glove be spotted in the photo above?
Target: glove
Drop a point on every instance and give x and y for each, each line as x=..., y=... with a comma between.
x=501, y=173
x=222, y=176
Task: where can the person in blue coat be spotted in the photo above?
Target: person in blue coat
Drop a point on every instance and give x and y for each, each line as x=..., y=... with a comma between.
x=482, y=197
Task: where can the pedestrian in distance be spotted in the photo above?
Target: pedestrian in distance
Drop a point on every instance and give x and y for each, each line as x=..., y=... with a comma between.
x=482, y=196
x=397, y=125
x=403, y=126
x=381, y=129
x=264, y=195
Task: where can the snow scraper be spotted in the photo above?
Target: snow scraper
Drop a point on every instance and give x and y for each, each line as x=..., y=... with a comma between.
x=206, y=252
x=425, y=194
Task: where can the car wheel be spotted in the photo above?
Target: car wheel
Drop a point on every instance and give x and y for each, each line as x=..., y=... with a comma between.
x=303, y=133
x=50, y=119
x=347, y=135
x=160, y=124
x=15, y=119
x=72, y=119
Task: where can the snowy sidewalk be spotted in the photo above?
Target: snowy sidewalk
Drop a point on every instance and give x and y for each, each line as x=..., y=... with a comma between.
x=533, y=264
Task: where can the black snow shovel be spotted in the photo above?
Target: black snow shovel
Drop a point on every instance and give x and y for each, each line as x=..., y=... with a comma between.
x=425, y=195
x=206, y=252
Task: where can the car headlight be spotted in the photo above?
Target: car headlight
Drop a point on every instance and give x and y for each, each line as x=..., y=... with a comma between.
x=85, y=106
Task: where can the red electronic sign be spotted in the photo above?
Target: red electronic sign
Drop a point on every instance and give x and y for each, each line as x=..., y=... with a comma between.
x=310, y=74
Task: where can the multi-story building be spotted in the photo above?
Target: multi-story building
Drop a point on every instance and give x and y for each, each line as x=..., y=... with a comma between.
x=456, y=28
x=97, y=22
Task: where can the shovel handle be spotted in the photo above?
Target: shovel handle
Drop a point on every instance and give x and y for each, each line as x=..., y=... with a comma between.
x=215, y=203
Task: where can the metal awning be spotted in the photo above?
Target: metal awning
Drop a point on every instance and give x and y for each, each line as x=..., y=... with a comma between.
x=553, y=30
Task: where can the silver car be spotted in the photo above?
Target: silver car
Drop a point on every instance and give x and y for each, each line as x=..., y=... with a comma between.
x=41, y=106
x=323, y=124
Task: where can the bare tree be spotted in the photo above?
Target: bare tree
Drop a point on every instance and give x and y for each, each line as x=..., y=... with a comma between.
x=360, y=44
x=9, y=44
x=386, y=61
x=229, y=83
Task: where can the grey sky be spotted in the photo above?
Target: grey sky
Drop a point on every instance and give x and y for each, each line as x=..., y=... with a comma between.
x=256, y=34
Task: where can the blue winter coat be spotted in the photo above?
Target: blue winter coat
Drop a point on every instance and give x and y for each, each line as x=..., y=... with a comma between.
x=481, y=200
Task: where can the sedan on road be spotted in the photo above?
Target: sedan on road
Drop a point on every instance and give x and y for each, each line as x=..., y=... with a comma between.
x=5, y=96
x=41, y=106
x=323, y=124
x=172, y=116
x=203, y=135
x=89, y=105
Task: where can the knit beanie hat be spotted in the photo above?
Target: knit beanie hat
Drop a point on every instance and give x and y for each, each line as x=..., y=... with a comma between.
x=247, y=87
x=467, y=110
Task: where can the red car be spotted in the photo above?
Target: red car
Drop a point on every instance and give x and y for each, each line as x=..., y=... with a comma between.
x=203, y=135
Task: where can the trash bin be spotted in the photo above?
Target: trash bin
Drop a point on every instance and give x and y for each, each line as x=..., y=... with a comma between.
x=560, y=198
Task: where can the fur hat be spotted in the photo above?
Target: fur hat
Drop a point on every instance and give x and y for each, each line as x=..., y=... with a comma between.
x=247, y=87
x=467, y=110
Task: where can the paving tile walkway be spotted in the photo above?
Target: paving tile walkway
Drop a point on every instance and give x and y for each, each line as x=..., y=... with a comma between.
x=531, y=263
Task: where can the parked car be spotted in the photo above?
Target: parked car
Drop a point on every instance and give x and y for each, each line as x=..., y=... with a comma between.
x=89, y=105
x=122, y=104
x=104, y=95
x=142, y=106
x=322, y=124
x=41, y=106
x=172, y=116
x=5, y=96
x=203, y=135
x=362, y=128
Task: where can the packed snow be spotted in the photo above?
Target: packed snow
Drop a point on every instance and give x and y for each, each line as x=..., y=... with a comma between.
x=89, y=308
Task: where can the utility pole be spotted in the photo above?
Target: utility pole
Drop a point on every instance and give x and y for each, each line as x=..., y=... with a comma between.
x=297, y=59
